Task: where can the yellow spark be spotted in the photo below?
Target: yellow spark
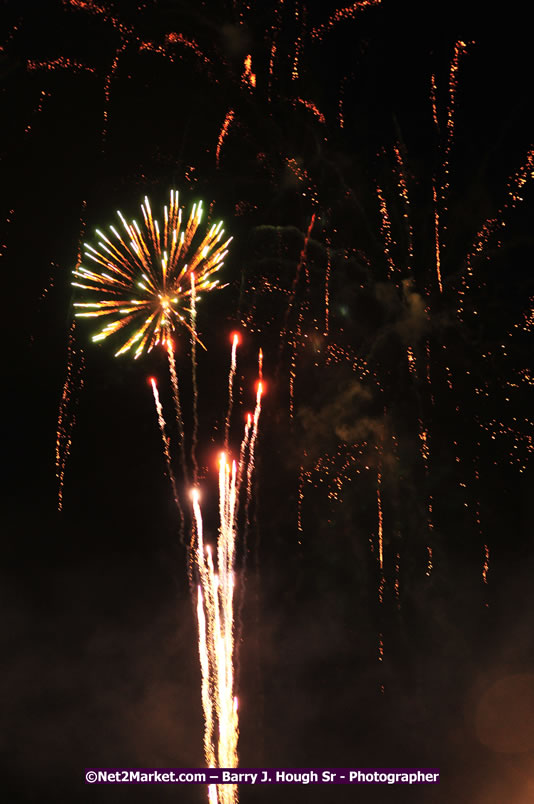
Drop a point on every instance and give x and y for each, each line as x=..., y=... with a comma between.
x=248, y=77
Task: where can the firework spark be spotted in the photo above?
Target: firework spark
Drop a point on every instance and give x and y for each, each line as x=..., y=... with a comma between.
x=166, y=442
x=67, y=410
x=342, y=14
x=223, y=133
x=235, y=341
x=144, y=280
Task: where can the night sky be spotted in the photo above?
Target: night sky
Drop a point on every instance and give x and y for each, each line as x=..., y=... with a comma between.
x=385, y=586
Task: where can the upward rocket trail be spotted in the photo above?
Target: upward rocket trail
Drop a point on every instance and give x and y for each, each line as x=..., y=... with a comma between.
x=215, y=607
x=214, y=573
x=235, y=341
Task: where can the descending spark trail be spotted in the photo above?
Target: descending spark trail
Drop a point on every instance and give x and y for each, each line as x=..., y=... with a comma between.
x=107, y=87
x=327, y=288
x=312, y=107
x=433, y=90
x=436, y=236
x=215, y=611
x=177, y=404
x=224, y=131
x=403, y=192
x=248, y=79
x=460, y=49
x=485, y=568
x=67, y=409
x=341, y=14
x=382, y=582
x=301, y=262
x=255, y=422
x=193, y=330
x=386, y=232
x=166, y=441
x=214, y=577
x=71, y=389
x=380, y=523
x=61, y=63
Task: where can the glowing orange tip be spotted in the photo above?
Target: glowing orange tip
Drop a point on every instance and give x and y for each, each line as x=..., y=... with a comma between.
x=152, y=380
x=235, y=338
x=260, y=387
x=195, y=494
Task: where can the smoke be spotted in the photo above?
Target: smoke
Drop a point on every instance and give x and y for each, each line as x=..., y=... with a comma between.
x=344, y=417
x=96, y=674
x=404, y=313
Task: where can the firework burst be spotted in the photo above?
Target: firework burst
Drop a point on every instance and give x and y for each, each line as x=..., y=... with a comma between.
x=146, y=277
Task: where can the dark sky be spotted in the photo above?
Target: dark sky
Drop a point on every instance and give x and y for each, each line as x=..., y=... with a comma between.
x=414, y=401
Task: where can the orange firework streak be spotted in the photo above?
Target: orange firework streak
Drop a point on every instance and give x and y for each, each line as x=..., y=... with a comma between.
x=385, y=229
x=224, y=131
x=248, y=78
x=301, y=262
x=460, y=49
x=403, y=191
x=235, y=342
x=327, y=289
x=165, y=441
x=436, y=233
x=382, y=582
x=433, y=101
x=215, y=610
x=312, y=108
x=60, y=63
x=380, y=522
x=107, y=87
x=67, y=409
x=73, y=384
x=347, y=13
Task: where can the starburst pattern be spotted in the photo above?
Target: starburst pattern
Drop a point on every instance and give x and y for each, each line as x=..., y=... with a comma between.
x=146, y=277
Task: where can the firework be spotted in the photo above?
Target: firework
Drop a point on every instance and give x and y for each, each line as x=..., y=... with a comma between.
x=211, y=572
x=67, y=410
x=147, y=277
x=165, y=441
x=70, y=393
x=214, y=587
x=215, y=606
